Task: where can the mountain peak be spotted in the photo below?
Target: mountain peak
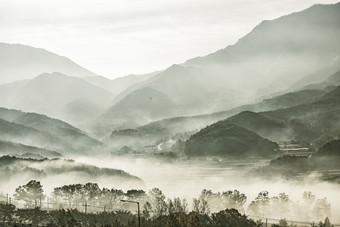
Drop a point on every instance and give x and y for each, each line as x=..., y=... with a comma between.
x=270, y=51
x=18, y=62
x=147, y=92
x=174, y=67
x=53, y=74
x=50, y=78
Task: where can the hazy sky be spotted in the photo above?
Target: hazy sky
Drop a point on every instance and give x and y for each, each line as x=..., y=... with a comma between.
x=119, y=37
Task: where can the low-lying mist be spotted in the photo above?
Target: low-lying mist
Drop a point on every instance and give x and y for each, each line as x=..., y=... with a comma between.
x=187, y=179
x=55, y=172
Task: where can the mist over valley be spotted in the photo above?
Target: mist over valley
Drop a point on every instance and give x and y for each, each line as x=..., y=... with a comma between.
x=248, y=135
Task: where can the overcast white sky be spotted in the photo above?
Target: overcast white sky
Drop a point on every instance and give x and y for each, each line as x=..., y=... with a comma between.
x=119, y=37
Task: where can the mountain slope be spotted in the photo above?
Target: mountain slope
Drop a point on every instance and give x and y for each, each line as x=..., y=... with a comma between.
x=266, y=127
x=312, y=123
x=10, y=148
x=182, y=127
x=18, y=62
x=198, y=91
x=29, y=136
x=265, y=61
x=326, y=104
x=50, y=93
x=139, y=107
x=329, y=82
x=189, y=89
x=316, y=77
x=80, y=110
x=102, y=82
x=275, y=49
x=42, y=131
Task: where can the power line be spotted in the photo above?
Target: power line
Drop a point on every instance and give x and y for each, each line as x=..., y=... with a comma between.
x=279, y=219
x=107, y=208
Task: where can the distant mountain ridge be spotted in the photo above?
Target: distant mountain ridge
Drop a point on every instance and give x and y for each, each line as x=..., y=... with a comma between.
x=264, y=62
x=275, y=49
x=119, y=84
x=50, y=93
x=18, y=62
x=177, y=125
x=189, y=89
x=269, y=59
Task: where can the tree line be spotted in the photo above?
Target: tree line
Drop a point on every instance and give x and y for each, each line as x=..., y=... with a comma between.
x=89, y=199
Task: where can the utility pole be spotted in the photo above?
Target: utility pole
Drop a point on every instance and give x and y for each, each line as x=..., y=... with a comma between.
x=10, y=202
x=266, y=222
x=129, y=201
x=6, y=198
x=138, y=214
x=85, y=206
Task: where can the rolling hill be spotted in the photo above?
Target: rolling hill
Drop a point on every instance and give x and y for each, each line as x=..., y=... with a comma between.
x=225, y=139
x=273, y=129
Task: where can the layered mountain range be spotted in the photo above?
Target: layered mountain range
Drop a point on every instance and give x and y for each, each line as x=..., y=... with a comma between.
x=278, y=82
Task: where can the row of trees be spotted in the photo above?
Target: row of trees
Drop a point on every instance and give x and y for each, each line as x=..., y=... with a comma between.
x=74, y=218
x=10, y=216
x=90, y=197
x=309, y=208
